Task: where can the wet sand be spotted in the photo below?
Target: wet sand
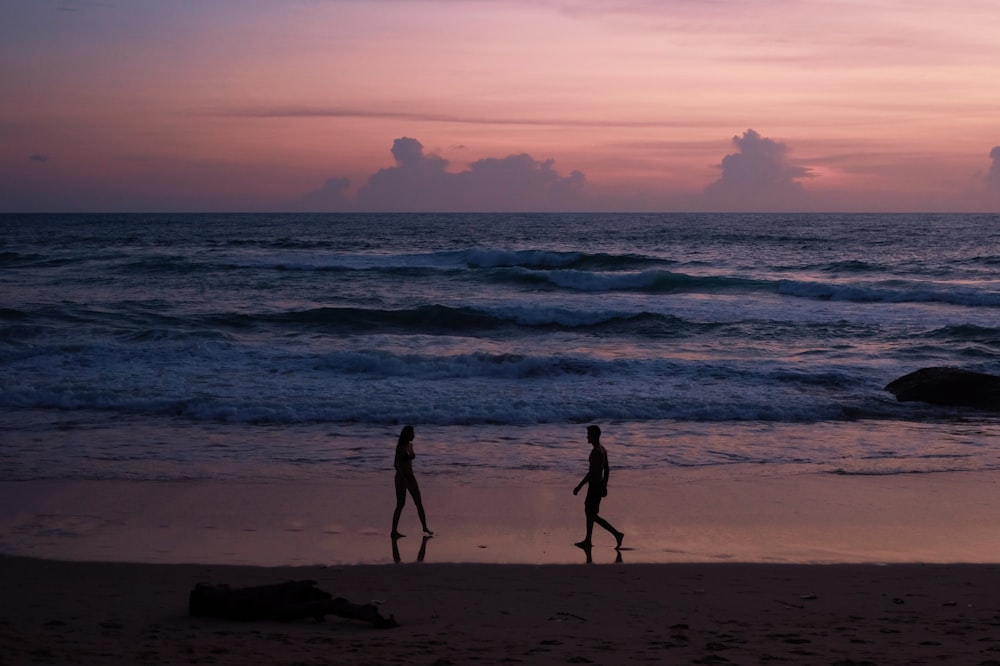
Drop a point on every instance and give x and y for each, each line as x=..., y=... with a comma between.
x=692, y=516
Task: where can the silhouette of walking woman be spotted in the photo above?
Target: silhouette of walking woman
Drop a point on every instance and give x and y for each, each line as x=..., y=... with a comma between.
x=406, y=481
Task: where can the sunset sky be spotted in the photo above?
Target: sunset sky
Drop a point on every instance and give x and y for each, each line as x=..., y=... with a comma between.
x=631, y=105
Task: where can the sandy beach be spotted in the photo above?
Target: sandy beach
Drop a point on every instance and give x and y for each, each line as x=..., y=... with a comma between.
x=733, y=568
x=736, y=514
x=106, y=613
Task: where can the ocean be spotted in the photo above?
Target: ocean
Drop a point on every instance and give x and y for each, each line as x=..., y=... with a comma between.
x=295, y=347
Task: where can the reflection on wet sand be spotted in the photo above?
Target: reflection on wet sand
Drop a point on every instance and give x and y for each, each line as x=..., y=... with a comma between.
x=420, y=554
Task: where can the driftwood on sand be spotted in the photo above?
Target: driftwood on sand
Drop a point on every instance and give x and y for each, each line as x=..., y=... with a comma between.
x=291, y=600
x=951, y=387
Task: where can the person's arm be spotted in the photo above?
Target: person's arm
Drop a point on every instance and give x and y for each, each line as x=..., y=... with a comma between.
x=580, y=485
x=605, y=473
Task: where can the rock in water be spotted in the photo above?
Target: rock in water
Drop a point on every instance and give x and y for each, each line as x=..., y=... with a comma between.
x=952, y=387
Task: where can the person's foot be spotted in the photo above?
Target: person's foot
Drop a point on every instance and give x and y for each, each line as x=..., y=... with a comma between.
x=396, y=535
x=428, y=532
x=618, y=537
x=583, y=544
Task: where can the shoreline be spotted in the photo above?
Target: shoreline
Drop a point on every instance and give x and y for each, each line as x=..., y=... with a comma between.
x=711, y=613
x=734, y=515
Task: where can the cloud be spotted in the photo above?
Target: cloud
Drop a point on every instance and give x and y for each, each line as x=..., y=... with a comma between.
x=758, y=176
x=296, y=112
x=332, y=196
x=521, y=181
x=418, y=182
x=993, y=175
x=39, y=158
x=422, y=182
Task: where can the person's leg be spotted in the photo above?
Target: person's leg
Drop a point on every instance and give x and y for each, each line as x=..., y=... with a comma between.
x=590, y=509
x=400, y=502
x=415, y=492
x=606, y=525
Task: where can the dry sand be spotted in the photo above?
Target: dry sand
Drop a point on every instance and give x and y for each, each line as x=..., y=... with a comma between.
x=733, y=569
x=106, y=613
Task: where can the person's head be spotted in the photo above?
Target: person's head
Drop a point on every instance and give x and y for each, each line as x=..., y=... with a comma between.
x=593, y=434
x=406, y=435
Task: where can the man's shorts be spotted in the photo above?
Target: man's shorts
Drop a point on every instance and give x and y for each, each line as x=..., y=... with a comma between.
x=592, y=504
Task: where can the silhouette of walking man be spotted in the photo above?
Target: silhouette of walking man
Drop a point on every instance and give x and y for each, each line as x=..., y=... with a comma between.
x=406, y=481
x=597, y=488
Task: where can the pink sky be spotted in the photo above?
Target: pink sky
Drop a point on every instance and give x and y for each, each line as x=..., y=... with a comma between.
x=668, y=105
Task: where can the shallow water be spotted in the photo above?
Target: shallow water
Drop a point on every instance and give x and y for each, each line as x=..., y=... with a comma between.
x=96, y=446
